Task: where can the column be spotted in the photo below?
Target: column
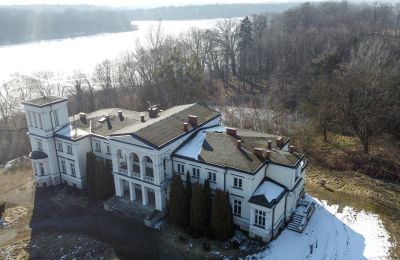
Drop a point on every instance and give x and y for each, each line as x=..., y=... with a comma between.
x=129, y=164
x=132, y=191
x=157, y=194
x=142, y=164
x=114, y=161
x=117, y=186
x=144, y=195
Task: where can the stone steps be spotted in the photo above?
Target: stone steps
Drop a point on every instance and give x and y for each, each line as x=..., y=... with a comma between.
x=295, y=223
x=131, y=210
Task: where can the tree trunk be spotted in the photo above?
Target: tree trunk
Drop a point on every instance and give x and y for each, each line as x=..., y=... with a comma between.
x=365, y=145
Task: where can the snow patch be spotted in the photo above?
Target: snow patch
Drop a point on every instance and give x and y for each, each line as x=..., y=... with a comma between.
x=193, y=147
x=333, y=234
x=270, y=190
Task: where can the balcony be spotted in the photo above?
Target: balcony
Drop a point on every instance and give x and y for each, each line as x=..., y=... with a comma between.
x=136, y=175
x=123, y=171
x=149, y=179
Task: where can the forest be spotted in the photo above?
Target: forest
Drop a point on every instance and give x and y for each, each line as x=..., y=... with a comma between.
x=318, y=69
x=26, y=24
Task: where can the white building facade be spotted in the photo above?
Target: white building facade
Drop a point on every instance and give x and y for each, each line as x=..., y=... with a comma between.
x=263, y=175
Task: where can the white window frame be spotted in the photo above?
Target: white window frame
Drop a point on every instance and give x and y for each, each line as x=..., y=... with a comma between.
x=237, y=182
x=97, y=147
x=60, y=147
x=39, y=144
x=195, y=173
x=41, y=169
x=72, y=166
x=259, y=218
x=237, y=207
x=63, y=166
x=69, y=149
x=212, y=176
x=108, y=149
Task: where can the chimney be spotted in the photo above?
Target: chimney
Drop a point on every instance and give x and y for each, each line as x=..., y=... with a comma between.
x=192, y=120
x=291, y=148
x=82, y=117
x=239, y=144
x=279, y=141
x=258, y=152
x=108, y=122
x=267, y=155
x=153, y=111
x=142, y=118
x=185, y=127
x=231, y=131
x=121, y=117
x=269, y=144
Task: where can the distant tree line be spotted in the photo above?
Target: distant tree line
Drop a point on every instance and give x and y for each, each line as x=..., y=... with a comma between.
x=211, y=11
x=25, y=24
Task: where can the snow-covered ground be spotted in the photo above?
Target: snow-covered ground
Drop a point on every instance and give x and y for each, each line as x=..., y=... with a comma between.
x=333, y=233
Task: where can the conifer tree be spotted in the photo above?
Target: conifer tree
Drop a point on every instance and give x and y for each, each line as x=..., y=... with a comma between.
x=178, y=211
x=197, y=213
x=100, y=180
x=221, y=215
x=90, y=174
x=207, y=203
x=188, y=186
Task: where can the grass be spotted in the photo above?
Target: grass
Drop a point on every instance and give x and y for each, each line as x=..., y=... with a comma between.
x=350, y=188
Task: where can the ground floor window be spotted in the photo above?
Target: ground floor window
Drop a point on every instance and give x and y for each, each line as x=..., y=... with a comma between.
x=259, y=218
x=237, y=207
x=63, y=167
x=73, y=173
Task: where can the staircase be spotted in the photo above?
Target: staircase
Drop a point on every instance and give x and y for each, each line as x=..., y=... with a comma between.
x=297, y=223
x=130, y=209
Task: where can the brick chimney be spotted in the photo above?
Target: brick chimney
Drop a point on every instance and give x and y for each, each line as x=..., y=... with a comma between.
x=108, y=122
x=269, y=144
x=258, y=152
x=231, y=131
x=239, y=144
x=291, y=148
x=192, y=120
x=279, y=141
x=142, y=118
x=82, y=117
x=185, y=127
x=267, y=155
x=121, y=117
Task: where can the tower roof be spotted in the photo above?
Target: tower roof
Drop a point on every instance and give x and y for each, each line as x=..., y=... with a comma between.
x=44, y=101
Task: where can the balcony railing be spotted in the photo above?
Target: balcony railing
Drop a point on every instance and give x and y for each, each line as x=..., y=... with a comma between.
x=148, y=178
x=136, y=175
x=123, y=171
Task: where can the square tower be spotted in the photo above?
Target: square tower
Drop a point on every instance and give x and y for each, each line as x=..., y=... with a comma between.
x=45, y=115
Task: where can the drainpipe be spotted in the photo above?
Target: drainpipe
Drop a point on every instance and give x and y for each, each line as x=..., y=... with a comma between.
x=273, y=220
x=284, y=212
x=54, y=141
x=226, y=170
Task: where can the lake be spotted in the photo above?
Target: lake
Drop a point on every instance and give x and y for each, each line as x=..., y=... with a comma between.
x=83, y=53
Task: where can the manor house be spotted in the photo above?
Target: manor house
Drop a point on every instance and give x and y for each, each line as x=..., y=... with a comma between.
x=263, y=173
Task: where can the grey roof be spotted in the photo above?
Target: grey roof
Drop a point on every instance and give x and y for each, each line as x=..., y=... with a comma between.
x=221, y=149
x=157, y=131
x=37, y=155
x=44, y=101
x=260, y=199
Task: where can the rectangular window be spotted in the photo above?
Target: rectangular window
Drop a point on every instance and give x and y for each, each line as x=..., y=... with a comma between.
x=237, y=183
x=69, y=149
x=181, y=168
x=108, y=149
x=56, y=123
x=98, y=147
x=259, y=218
x=72, y=165
x=40, y=121
x=196, y=173
x=39, y=145
x=237, y=207
x=60, y=147
x=34, y=119
x=212, y=176
x=41, y=169
x=28, y=115
x=35, y=168
x=63, y=167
